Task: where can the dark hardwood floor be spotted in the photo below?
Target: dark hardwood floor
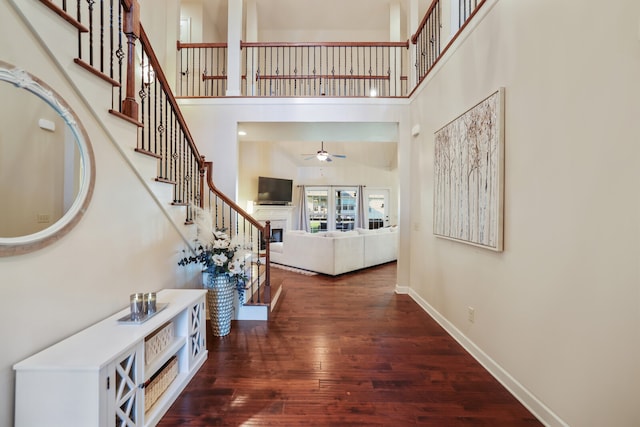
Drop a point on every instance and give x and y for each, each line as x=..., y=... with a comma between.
x=343, y=351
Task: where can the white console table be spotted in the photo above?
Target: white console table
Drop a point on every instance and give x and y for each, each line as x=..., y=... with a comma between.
x=98, y=376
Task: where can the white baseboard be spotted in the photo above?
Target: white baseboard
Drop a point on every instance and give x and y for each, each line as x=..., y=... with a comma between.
x=402, y=290
x=253, y=312
x=535, y=406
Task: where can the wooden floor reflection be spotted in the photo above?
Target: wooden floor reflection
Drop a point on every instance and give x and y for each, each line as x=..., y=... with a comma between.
x=343, y=351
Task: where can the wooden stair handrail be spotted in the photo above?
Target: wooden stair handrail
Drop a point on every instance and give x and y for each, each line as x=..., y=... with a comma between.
x=414, y=38
x=181, y=45
x=155, y=64
x=446, y=48
x=324, y=44
x=208, y=167
x=427, y=15
x=127, y=5
x=321, y=76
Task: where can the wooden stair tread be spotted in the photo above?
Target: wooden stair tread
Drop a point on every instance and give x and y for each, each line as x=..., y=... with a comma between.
x=64, y=15
x=273, y=291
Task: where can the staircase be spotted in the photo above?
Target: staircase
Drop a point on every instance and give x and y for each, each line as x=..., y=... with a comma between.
x=106, y=57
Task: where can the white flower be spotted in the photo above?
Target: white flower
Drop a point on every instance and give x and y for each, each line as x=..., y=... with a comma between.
x=219, y=259
x=221, y=244
x=220, y=235
x=236, y=267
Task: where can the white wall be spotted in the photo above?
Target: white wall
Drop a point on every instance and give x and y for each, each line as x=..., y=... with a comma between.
x=160, y=19
x=123, y=243
x=557, y=314
x=195, y=12
x=323, y=35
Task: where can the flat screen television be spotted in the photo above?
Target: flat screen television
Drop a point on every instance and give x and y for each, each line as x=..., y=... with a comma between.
x=274, y=191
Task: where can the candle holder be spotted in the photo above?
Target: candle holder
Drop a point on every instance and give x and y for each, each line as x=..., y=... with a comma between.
x=136, y=306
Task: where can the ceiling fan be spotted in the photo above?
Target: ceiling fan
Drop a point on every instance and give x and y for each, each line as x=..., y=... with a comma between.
x=323, y=155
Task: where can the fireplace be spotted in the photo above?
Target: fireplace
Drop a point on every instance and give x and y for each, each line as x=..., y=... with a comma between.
x=276, y=236
x=279, y=217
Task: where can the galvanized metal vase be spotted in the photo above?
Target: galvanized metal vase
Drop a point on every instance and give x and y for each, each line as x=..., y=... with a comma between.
x=220, y=295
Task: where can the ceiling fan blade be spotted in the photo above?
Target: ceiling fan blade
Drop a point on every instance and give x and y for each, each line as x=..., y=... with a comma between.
x=328, y=159
x=311, y=156
x=341, y=156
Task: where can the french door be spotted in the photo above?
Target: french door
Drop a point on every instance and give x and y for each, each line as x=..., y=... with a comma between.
x=377, y=211
x=332, y=208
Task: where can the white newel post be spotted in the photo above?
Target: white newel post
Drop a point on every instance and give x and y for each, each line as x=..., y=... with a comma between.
x=234, y=58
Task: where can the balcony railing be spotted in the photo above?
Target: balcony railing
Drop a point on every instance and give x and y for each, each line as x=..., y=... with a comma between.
x=344, y=69
x=429, y=39
x=202, y=69
x=297, y=69
x=325, y=69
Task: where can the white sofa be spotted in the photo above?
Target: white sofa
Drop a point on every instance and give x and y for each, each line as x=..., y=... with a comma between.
x=336, y=252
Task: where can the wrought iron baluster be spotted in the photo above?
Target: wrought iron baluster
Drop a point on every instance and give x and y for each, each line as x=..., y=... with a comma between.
x=295, y=71
x=79, y=18
x=111, y=45
x=91, y=3
x=102, y=36
x=119, y=53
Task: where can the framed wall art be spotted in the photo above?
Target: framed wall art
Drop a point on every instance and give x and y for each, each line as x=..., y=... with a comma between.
x=469, y=175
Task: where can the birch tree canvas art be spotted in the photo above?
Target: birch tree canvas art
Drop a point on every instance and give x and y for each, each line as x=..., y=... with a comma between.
x=468, y=181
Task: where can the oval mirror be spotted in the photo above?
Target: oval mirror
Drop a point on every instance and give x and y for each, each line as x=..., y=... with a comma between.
x=46, y=164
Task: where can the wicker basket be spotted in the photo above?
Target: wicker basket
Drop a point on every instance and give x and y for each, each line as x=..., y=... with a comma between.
x=159, y=382
x=155, y=343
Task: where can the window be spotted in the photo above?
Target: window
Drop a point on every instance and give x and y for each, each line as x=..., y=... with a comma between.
x=317, y=209
x=345, y=209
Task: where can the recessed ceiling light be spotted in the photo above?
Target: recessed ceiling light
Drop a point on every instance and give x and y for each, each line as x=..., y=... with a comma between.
x=241, y=133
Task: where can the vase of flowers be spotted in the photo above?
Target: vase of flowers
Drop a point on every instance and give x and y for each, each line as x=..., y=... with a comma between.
x=224, y=267
x=220, y=294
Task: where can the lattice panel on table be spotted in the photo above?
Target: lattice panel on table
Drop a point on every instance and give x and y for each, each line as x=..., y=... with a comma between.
x=195, y=332
x=157, y=342
x=126, y=392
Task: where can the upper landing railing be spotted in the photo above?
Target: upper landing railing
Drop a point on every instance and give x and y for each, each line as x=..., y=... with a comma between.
x=429, y=39
x=297, y=69
x=345, y=69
